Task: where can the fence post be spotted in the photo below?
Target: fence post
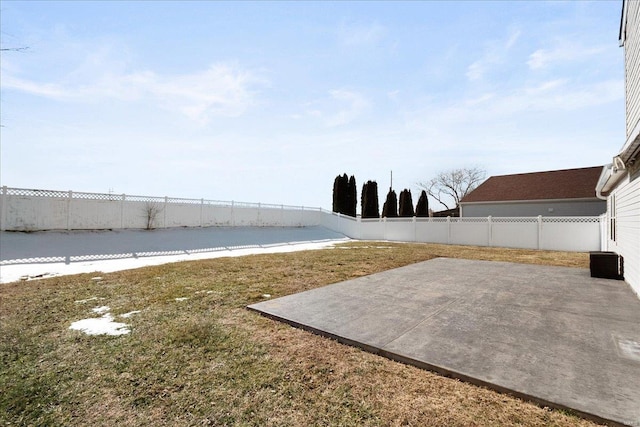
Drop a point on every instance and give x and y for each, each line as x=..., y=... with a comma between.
x=69, y=209
x=164, y=211
x=539, y=231
x=384, y=228
x=448, y=230
x=3, y=209
x=201, y=212
x=604, y=238
x=490, y=227
x=122, y=200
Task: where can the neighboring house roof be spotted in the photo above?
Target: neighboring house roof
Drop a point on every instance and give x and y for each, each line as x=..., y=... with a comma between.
x=551, y=185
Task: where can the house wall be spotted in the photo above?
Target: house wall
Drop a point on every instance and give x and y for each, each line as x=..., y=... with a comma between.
x=544, y=208
x=624, y=200
x=632, y=65
x=625, y=211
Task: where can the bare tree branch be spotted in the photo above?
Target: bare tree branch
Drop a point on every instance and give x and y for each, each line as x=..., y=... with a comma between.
x=151, y=211
x=453, y=184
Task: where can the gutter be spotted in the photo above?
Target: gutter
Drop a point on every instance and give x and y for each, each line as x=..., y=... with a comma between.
x=610, y=176
x=509, y=202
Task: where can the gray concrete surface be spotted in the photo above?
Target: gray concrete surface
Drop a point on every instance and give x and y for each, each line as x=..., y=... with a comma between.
x=552, y=335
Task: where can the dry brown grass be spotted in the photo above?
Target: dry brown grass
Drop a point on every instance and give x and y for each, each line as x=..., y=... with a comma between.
x=209, y=361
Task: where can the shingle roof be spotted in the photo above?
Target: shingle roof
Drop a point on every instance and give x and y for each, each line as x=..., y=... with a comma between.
x=560, y=184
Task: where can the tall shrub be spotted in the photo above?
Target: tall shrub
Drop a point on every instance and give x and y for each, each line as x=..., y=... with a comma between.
x=422, y=208
x=390, y=207
x=351, y=200
x=344, y=195
x=339, y=192
x=369, y=203
x=406, y=204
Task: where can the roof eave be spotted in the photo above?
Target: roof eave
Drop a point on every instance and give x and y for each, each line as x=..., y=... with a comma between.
x=567, y=199
x=631, y=150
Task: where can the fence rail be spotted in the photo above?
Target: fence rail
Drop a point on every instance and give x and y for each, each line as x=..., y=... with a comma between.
x=31, y=210
x=10, y=191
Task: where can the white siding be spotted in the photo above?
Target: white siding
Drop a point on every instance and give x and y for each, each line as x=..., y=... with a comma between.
x=627, y=243
x=632, y=64
x=624, y=201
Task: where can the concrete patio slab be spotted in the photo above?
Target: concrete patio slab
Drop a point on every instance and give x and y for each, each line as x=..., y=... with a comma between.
x=552, y=335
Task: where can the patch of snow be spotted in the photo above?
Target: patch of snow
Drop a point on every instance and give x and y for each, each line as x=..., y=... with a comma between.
x=100, y=326
x=129, y=314
x=97, y=278
x=101, y=310
x=182, y=299
x=266, y=295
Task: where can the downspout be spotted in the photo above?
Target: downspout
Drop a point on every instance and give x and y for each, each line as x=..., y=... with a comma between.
x=604, y=177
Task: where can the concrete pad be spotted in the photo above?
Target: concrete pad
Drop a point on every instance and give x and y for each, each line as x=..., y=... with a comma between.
x=552, y=335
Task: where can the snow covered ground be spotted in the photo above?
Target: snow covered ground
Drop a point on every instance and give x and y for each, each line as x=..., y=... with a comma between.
x=27, y=256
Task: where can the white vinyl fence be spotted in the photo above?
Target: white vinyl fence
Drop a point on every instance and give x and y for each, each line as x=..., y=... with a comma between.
x=549, y=233
x=31, y=210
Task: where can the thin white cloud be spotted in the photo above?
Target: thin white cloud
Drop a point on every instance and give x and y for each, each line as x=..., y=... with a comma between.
x=563, y=52
x=558, y=95
x=361, y=34
x=220, y=90
x=339, y=108
x=350, y=105
x=494, y=54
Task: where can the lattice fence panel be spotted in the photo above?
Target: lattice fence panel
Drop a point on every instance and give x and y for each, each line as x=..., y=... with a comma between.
x=571, y=219
x=36, y=193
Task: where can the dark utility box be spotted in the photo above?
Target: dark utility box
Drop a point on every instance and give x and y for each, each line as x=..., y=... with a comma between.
x=606, y=265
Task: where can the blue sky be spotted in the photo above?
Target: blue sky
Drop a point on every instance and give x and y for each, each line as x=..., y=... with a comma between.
x=269, y=101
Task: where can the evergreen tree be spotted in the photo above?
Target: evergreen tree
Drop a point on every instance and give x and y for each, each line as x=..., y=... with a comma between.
x=336, y=194
x=390, y=207
x=369, y=202
x=422, y=208
x=351, y=199
x=345, y=195
x=406, y=204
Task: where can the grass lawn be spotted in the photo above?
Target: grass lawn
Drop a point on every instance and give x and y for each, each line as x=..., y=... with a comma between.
x=208, y=361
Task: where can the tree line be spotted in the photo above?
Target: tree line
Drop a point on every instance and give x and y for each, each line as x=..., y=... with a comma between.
x=345, y=200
